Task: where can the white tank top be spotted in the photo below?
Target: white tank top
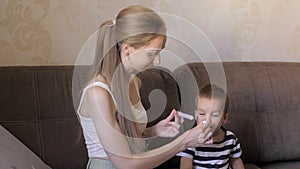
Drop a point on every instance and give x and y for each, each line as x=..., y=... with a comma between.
x=93, y=145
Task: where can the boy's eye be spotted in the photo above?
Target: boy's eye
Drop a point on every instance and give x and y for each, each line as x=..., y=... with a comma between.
x=200, y=112
x=216, y=113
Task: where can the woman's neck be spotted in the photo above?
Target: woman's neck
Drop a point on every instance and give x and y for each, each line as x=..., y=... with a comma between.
x=99, y=78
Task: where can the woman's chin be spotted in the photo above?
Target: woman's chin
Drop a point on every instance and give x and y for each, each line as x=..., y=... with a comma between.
x=137, y=70
x=142, y=69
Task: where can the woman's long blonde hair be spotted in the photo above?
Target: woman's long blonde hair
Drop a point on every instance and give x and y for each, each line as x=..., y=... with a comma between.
x=135, y=26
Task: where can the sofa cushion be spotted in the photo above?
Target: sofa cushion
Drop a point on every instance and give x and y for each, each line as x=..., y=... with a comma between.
x=251, y=166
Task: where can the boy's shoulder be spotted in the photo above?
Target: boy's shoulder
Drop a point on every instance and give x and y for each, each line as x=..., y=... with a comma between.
x=229, y=133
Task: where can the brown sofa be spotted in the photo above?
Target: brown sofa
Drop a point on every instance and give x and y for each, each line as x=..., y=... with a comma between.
x=37, y=107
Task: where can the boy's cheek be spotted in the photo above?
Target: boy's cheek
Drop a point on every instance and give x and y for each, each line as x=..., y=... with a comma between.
x=200, y=119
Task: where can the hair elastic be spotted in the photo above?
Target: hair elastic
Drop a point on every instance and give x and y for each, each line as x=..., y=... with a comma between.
x=112, y=25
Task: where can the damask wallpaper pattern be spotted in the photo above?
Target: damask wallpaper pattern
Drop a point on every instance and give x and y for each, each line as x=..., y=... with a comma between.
x=248, y=18
x=44, y=32
x=27, y=34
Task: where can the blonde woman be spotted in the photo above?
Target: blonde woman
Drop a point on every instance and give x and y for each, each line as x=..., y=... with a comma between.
x=110, y=111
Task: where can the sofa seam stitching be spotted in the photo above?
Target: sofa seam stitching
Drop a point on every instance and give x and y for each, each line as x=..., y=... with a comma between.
x=40, y=137
x=257, y=126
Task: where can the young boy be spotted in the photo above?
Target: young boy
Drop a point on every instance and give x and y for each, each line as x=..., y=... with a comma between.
x=225, y=151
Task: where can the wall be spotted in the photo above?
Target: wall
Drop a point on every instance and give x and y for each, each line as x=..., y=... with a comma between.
x=44, y=32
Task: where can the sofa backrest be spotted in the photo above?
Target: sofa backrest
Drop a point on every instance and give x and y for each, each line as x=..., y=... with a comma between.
x=264, y=105
x=36, y=106
x=159, y=93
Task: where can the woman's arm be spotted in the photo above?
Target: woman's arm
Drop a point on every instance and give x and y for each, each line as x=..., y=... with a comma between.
x=236, y=163
x=101, y=109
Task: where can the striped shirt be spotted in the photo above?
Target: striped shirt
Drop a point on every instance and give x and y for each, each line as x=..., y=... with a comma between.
x=214, y=155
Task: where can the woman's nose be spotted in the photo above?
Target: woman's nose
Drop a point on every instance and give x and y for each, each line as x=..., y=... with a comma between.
x=156, y=60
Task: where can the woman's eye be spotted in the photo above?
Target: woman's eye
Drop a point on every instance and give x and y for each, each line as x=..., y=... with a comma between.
x=150, y=55
x=153, y=53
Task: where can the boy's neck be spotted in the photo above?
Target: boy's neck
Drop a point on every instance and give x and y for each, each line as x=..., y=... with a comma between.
x=219, y=135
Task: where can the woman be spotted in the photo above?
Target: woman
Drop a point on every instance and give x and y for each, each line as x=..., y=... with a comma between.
x=110, y=111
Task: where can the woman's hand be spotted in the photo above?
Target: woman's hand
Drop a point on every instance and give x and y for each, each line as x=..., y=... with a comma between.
x=167, y=127
x=198, y=136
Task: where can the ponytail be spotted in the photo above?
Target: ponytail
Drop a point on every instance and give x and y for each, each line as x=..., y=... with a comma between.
x=108, y=64
x=107, y=56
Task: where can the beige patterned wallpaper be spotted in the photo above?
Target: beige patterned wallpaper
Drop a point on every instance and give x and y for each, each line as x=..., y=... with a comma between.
x=44, y=32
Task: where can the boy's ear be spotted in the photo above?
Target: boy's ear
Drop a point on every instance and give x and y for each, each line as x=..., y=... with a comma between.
x=225, y=118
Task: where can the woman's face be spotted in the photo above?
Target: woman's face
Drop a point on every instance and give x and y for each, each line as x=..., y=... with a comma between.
x=145, y=56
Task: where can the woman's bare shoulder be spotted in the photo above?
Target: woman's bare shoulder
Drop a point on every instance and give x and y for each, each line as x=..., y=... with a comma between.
x=98, y=95
x=97, y=90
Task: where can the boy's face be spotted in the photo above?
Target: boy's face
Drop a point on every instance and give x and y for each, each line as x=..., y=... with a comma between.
x=211, y=111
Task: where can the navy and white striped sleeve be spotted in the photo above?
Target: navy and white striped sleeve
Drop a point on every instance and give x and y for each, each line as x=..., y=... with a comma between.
x=236, y=150
x=188, y=153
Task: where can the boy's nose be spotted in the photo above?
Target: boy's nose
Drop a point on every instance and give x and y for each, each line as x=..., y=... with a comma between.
x=208, y=119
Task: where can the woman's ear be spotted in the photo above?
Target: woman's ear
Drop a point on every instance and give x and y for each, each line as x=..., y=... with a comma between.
x=126, y=50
